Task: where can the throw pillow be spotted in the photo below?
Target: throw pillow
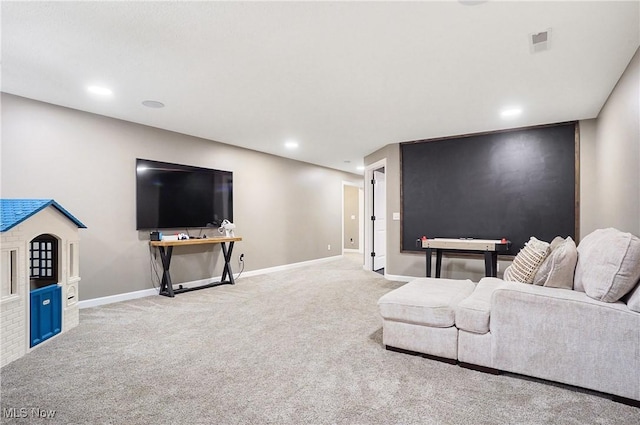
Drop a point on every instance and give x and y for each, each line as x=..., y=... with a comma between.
x=526, y=264
x=543, y=270
x=608, y=264
x=558, y=269
x=556, y=242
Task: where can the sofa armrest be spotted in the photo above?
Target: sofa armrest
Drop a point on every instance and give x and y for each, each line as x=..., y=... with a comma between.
x=565, y=336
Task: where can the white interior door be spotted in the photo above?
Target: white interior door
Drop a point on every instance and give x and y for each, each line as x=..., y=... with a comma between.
x=380, y=222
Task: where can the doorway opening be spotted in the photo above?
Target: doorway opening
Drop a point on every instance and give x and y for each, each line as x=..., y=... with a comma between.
x=375, y=213
x=352, y=217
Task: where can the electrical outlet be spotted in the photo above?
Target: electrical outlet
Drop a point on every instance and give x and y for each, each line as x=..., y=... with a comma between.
x=241, y=259
x=329, y=247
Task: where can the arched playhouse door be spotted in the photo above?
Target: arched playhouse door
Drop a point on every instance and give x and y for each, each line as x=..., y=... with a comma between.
x=45, y=293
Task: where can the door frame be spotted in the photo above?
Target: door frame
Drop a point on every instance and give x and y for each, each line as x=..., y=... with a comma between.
x=368, y=210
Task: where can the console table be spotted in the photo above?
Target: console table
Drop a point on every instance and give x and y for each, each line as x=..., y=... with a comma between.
x=489, y=247
x=166, y=249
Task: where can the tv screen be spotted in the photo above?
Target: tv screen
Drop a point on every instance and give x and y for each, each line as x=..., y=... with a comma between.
x=174, y=196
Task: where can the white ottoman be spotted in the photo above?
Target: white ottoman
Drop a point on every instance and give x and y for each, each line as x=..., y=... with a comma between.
x=420, y=316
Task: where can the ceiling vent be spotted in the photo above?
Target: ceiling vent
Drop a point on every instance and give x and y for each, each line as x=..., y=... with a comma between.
x=540, y=41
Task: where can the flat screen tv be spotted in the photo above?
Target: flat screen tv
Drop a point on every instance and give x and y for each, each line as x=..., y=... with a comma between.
x=174, y=196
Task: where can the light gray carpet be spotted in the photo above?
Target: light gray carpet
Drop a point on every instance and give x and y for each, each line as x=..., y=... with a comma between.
x=302, y=346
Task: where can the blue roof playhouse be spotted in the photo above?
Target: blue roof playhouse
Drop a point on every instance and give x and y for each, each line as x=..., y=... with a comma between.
x=39, y=283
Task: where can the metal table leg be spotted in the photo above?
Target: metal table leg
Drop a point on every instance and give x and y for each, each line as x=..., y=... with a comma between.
x=166, y=287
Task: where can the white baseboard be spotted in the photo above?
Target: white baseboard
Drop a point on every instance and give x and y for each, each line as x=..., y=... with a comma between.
x=290, y=266
x=95, y=302
x=399, y=278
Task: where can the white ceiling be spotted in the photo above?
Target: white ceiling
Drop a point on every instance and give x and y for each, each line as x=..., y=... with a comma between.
x=342, y=78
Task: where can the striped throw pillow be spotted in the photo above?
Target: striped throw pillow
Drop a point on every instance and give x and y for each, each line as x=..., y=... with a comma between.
x=526, y=264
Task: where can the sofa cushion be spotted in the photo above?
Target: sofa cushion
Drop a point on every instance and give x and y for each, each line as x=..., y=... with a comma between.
x=558, y=268
x=633, y=299
x=566, y=336
x=608, y=264
x=526, y=264
x=472, y=313
x=426, y=301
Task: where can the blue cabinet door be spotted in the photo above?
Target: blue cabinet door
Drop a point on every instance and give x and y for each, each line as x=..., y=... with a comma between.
x=46, y=313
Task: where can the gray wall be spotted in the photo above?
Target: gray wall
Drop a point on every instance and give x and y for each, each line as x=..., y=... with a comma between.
x=609, y=180
x=286, y=211
x=617, y=149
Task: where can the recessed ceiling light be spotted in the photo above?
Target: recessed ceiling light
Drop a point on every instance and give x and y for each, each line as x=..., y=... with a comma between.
x=102, y=91
x=511, y=112
x=153, y=104
x=291, y=144
x=360, y=167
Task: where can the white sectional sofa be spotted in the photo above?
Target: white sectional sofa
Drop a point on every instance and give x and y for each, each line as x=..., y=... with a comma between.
x=577, y=323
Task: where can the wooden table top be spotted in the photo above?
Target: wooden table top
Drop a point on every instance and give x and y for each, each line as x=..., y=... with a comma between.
x=202, y=241
x=465, y=244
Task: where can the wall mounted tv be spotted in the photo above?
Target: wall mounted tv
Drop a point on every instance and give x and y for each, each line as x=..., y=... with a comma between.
x=174, y=196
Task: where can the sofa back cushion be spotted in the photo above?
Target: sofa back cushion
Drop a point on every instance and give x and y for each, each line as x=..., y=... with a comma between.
x=558, y=269
x=608, y=264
